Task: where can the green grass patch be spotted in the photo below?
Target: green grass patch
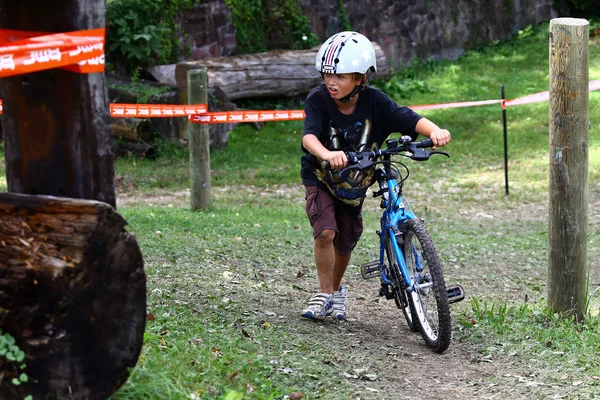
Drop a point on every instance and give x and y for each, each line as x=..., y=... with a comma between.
x=553, y=346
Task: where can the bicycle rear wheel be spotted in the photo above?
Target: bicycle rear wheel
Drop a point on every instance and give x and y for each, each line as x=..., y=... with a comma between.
x=400, y=294
x=430, y=299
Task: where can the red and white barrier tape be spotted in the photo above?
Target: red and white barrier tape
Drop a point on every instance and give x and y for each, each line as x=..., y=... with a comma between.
x=155, y=110
x=454, y=105
x=24, y=52
x=247, y=116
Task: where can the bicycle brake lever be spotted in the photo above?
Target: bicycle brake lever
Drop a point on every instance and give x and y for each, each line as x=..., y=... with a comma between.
x=360, y=165
x=439, y=152
x=420, y=154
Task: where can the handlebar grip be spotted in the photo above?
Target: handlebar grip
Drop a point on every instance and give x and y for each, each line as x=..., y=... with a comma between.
x=325, y=164
x=424, y=143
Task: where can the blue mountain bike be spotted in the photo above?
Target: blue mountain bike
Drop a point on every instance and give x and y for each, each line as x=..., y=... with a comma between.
x=412, y=274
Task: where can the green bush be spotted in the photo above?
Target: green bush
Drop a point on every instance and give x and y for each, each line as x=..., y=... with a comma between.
x=255, y=20
x=405, y=81
x=141, y=33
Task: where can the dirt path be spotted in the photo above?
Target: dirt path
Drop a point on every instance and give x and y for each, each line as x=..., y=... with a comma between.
x=384, y=359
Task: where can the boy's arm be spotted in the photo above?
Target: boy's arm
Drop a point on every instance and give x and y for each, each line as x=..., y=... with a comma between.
x=336, y=159
x=440, y=137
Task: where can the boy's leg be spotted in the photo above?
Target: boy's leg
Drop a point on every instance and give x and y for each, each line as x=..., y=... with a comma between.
x=349, y=222
x=341, y=263
x=350, y=227
x=320, y=208
x=326, y=259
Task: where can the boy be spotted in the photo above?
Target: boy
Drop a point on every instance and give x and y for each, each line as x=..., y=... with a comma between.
x=344, y=114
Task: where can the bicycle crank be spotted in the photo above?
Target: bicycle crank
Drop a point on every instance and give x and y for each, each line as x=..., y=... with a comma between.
x=455, y=293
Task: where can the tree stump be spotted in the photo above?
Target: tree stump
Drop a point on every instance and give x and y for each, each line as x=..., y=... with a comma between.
x=72, y=294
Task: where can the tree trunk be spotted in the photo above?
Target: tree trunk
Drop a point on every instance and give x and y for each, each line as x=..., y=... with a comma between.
x=277, y=73
x=72, y=294
x=57, y=136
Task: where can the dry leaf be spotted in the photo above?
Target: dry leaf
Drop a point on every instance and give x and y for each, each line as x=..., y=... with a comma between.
x=246, y=334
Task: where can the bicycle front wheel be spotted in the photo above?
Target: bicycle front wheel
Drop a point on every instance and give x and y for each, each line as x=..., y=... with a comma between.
x=429, y=297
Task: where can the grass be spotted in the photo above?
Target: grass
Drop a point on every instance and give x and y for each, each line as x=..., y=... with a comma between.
x=224, y=284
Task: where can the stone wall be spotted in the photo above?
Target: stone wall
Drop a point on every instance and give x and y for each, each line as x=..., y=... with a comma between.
x=207, y=31
x=428, y=29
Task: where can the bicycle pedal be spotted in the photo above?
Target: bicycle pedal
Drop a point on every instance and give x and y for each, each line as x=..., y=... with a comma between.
x=455, y=293
x=370, y=270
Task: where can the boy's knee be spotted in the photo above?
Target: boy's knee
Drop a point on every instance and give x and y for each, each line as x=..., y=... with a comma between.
x=326, y=236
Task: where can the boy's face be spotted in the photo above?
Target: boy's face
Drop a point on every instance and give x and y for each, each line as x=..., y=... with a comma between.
x=340, y=85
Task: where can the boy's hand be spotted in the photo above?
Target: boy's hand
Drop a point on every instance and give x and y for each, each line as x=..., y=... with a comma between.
x=440, y=137
x=336, y=159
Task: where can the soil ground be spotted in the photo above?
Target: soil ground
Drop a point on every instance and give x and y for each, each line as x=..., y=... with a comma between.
x=391, y=362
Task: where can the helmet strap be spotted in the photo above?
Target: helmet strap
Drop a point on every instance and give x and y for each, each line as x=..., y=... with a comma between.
x=349, y=97
x=357, y=89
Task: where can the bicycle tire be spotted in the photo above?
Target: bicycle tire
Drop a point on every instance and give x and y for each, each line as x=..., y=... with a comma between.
x=400, y=296
x=430, y=303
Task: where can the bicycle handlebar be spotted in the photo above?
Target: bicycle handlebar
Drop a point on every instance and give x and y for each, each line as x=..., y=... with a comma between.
x=365, y=159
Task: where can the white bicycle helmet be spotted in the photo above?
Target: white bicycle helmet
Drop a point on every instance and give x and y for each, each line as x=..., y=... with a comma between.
x=346, y=52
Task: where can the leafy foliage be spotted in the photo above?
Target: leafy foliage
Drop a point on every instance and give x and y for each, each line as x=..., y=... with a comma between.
x=14, y=356
x=345, y=23
x=263, y=25
x=142, y=33
x=144, y=92
x=405, y=81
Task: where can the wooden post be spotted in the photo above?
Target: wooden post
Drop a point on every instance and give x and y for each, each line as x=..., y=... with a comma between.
x=199, y=142
x=57, y=135
x=569, y=124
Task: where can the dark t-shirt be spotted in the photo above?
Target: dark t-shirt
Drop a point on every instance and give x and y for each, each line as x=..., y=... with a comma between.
x=375, y=117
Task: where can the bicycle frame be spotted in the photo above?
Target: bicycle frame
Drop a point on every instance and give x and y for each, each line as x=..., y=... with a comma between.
x=395, y=212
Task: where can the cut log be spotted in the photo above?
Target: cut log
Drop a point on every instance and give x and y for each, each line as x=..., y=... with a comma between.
x=277, y=73
x=133, y=129
x=72, y=294
x=140, y=150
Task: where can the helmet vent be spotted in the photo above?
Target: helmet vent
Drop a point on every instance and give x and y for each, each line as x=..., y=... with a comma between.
x=355, y=41
x=336, y=61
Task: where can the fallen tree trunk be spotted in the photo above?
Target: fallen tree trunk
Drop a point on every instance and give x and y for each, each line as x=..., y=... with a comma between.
x=140, y=150
x=133, y=129
x=277, y=73
x=72, y=294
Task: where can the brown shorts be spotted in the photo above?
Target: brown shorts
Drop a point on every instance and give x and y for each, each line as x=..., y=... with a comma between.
x=326, y=212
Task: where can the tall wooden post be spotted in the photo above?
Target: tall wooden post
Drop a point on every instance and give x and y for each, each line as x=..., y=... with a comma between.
x=569, y=124
x=57, y=135
x=199, y=142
